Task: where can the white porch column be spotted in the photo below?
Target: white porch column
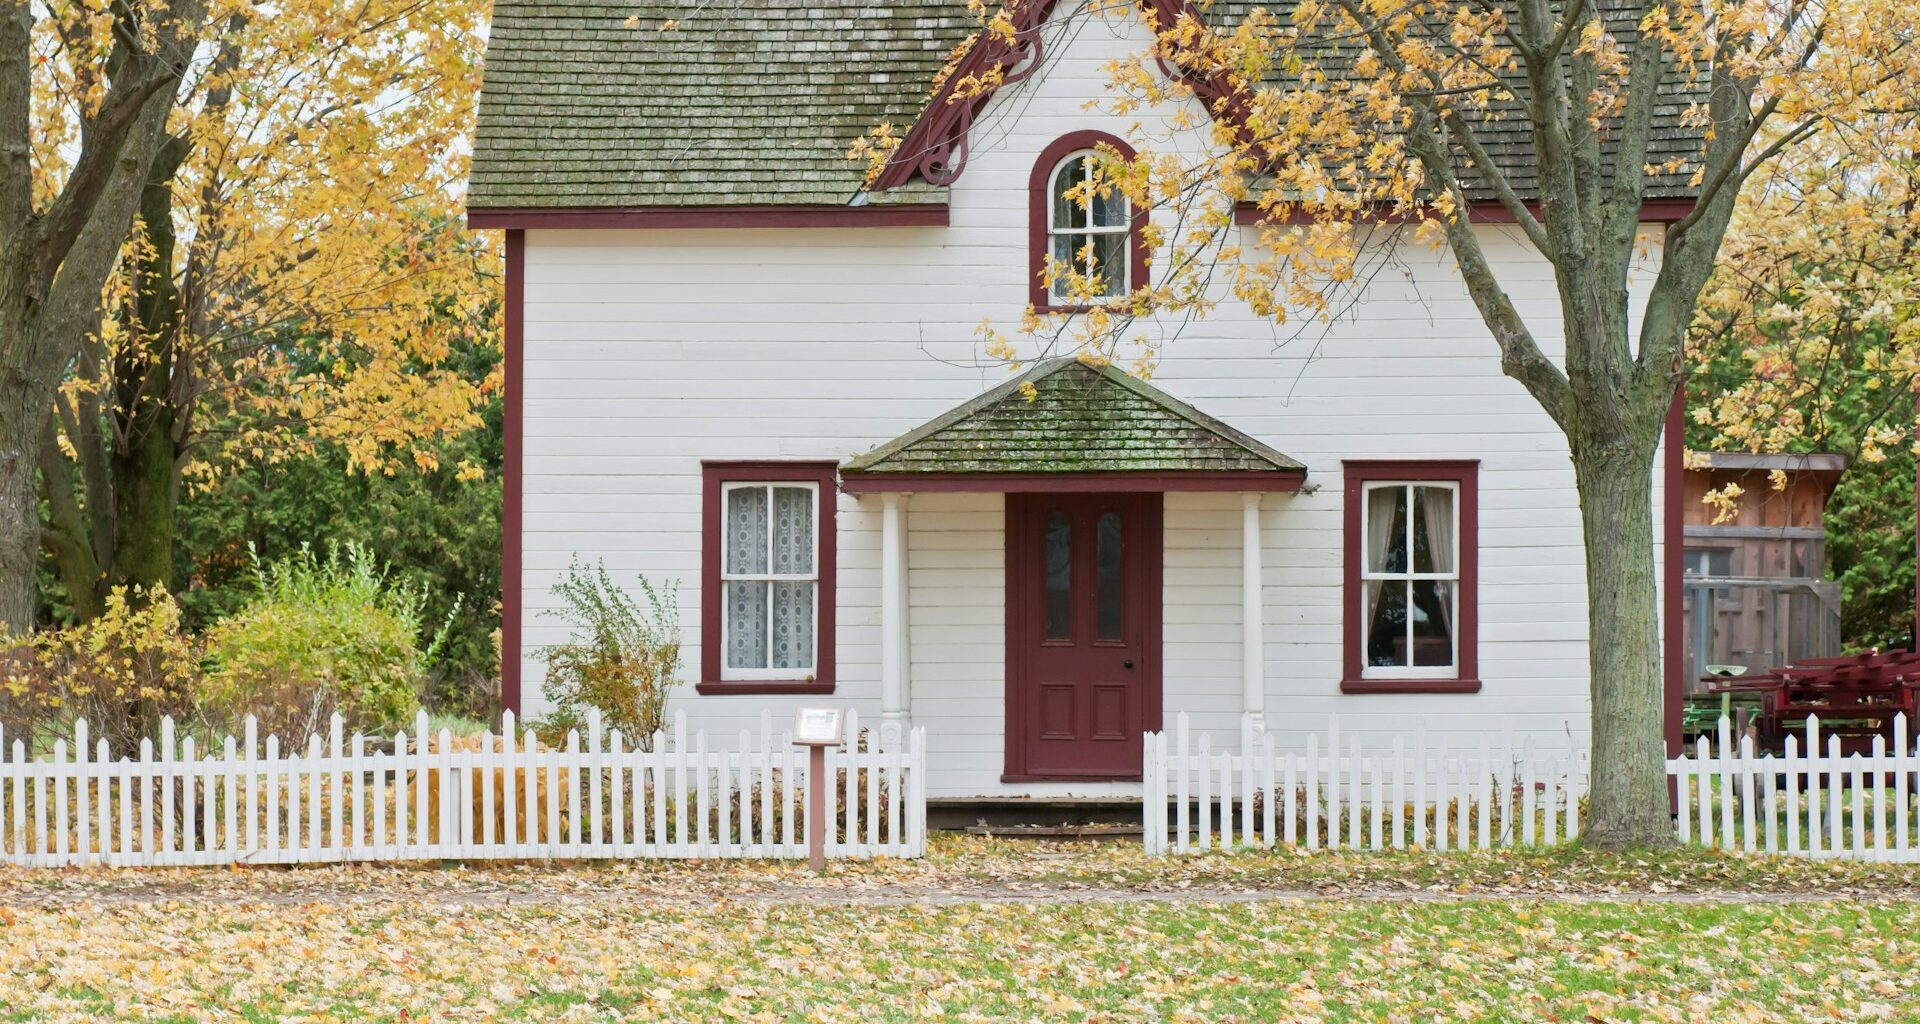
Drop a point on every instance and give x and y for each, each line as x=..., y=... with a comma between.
x=893, y=608
x=1253, y=684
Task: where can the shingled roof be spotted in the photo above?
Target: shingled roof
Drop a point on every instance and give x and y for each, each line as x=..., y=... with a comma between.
x=741, y=102
x=1080, y=419
x=755, y=102
x=1504, y=129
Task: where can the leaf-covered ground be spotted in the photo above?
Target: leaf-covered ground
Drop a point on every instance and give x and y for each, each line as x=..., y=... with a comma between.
x=978, y=931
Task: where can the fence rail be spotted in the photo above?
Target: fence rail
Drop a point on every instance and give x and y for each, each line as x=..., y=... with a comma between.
x=427, y=797
x=1413, y=794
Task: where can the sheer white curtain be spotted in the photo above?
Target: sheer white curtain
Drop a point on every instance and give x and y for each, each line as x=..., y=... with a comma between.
x=1382, y=502
x=1437, y=511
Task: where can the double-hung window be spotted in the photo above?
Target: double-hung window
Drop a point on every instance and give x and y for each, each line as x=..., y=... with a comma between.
x=1411, y=567
x=1088, y=231
x=768, y=596
x=1080, y=226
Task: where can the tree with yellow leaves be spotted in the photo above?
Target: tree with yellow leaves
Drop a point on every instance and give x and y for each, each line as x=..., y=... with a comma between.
x=1337, y=117
x=69, y=189
x=298, y=274
x=1808, y=337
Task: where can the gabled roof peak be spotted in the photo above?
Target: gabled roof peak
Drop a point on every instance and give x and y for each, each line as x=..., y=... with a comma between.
x=1064, y=416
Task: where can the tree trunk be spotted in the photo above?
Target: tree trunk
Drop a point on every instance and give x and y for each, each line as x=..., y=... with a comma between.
x=22, y=420
x=146, y=442
x=1628, y=804
x=145, y=493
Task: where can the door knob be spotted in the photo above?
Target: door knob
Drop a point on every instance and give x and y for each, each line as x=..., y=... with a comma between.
x=1127, y=663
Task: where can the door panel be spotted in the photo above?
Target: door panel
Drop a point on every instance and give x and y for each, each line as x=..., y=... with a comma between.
x=1083, y=633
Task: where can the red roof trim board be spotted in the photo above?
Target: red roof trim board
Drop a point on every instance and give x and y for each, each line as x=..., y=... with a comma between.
x=745, y=216
x=1188, y=481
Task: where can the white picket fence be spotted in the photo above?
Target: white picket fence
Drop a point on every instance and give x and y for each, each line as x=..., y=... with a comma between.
x=1802, y=802
x=1858, y=806
x=1413, y=794
x=426, y=798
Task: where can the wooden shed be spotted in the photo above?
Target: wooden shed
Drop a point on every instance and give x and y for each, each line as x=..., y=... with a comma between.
x=1756, y=591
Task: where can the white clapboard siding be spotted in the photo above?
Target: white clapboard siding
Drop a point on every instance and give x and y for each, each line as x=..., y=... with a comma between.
x=1808, y=801
x=1412, y=793
x=432, y=797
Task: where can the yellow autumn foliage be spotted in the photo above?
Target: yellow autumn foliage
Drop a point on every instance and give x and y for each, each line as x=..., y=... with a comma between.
x=120, y=671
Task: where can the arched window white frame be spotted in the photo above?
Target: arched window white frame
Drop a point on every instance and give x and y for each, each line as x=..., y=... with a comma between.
x=1094, y=238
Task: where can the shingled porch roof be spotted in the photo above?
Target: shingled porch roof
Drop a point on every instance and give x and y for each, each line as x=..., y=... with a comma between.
x=1084, y=428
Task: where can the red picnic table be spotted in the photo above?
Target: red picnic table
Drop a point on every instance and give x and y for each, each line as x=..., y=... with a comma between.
x=1856, y=697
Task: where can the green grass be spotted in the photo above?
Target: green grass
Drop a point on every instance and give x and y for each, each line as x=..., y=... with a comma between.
x=1477, y=960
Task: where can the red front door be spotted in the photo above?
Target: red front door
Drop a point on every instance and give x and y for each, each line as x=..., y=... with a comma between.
x=1083, y=633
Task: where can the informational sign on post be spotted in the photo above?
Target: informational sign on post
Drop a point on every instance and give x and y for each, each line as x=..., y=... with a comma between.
x=817, y=729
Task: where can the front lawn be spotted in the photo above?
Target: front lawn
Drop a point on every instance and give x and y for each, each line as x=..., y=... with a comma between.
x=1200, y=961
x=978, y=931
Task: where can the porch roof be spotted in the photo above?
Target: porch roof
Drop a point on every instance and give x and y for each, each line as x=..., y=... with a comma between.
x=1079, y=428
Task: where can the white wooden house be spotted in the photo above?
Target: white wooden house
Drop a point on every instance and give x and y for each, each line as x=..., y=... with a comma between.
x=731, y=365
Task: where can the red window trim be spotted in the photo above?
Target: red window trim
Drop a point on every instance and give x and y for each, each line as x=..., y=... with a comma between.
x=512, y=432
x=713, y=475
x=1039, y=191
x=1466, y=474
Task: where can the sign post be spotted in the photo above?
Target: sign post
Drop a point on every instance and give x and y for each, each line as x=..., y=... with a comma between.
x=817, y=729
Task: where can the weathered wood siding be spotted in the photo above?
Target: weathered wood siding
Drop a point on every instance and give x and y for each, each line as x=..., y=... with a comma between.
x=648, y=351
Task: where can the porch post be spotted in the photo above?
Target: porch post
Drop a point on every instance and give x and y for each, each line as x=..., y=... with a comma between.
x=1253, y=687
x=893, y=608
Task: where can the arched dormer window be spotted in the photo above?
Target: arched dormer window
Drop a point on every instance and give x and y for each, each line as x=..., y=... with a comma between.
x=1099, y=236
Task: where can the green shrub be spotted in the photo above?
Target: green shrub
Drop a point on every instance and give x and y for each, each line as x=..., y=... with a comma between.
x=320, y=636
x=621, y=658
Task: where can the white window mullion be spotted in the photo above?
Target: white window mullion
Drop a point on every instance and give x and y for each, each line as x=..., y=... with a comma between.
x=1411, y=493
x=772, y=523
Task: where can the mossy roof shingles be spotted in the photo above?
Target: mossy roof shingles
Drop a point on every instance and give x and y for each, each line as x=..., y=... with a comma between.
x=750, y=102
x=745, y=102
x=1079, y=420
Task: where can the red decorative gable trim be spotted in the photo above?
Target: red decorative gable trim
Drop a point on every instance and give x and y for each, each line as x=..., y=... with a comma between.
x=935, y=148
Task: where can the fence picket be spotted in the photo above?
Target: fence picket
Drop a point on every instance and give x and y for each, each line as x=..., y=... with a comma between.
x=1836, y=840
x=1204, y=807
x=1313, y=790
x=1859, y=788
x=1181, y=791
x=1879, y=778
x=1292, y=789
x=1906, y=754
x=1268, y=816
x=191, y=850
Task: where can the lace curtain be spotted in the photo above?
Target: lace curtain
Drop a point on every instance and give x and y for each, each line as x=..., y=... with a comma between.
x=770, y=620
